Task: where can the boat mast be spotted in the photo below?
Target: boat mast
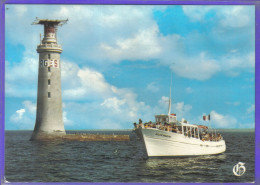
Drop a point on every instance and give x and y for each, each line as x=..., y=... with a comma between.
x=170, y=100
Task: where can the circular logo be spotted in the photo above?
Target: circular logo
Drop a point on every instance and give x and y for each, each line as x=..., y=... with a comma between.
x=239, y=169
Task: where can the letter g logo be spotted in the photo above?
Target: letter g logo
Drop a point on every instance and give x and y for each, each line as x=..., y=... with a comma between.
x=239, y=169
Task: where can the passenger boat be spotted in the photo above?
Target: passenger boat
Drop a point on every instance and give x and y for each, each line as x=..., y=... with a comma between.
x=169, y=137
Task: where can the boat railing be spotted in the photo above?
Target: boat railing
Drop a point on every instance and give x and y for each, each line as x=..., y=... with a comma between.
x=188, y=131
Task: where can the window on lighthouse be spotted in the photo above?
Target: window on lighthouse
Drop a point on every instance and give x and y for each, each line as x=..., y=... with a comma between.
x=49, y=94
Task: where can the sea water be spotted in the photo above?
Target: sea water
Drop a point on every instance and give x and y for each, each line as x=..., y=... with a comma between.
x=76, y=161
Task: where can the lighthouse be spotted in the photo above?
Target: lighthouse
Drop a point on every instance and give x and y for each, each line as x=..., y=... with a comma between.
x=49, y=121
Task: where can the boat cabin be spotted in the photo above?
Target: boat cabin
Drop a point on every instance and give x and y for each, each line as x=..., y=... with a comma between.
x=162, y=118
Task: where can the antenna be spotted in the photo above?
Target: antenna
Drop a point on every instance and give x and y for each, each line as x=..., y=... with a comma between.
x=171, y=88
x=170, y=101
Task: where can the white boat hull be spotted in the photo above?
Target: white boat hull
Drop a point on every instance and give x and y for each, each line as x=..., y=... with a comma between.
x=164, y=143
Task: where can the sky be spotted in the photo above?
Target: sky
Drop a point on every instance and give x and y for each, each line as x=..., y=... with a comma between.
x=118, y=62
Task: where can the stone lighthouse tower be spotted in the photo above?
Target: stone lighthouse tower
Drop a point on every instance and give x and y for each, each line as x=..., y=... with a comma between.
x=49, y=122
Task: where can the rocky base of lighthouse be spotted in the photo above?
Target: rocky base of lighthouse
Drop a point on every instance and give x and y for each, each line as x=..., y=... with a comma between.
x=47, y=135
x=79, y=137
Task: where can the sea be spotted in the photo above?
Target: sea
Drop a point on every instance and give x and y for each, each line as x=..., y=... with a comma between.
x=121, y=161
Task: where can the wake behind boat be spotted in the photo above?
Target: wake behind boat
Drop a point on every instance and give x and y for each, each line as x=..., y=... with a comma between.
x=170, y=137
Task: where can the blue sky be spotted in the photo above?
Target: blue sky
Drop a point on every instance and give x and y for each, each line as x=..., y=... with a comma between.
x=117, y=62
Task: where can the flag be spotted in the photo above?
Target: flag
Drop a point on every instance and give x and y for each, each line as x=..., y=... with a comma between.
x=206, y=118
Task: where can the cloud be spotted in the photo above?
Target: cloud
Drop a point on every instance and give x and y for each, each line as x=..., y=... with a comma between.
x=31, y=107
x=227, y=37
x=106, y=35
x=98, y=36
x=234, y=63
x=182, y=109
x=227, y=16
x=93, y=102
x=112, y=113
x=196, y=13
x=233, y=103
x=95, y=99
x=152, y=87
x=24, y=118
x=144, y=45
x=236, y=16
x=113, y=103
x=189, y=90
x=200, y=68
x=18, y=116
x=102, y=105
x=223, y=121
x=251, y=109
x=66, y=121
x=85, y=83
x=18, y=78
x=164, y=102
